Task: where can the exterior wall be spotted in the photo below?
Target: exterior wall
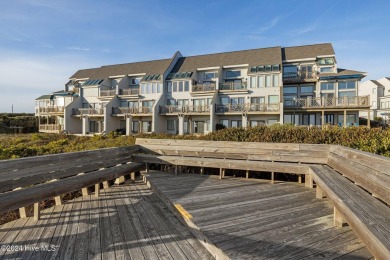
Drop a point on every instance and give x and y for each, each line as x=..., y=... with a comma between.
x=72, y=125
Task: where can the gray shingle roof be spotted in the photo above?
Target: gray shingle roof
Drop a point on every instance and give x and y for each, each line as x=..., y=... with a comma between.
x=307, y=51
x=148, y=67
x=377, y=83
x=43, y=97
x=254, y=57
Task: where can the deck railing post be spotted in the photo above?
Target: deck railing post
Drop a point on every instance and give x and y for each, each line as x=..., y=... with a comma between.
x=338, y=219
x=37, y=212
x=97, y=190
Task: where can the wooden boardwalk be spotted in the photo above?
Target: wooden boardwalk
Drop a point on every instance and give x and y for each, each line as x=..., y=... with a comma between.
x=253, y=219
x=126, y=222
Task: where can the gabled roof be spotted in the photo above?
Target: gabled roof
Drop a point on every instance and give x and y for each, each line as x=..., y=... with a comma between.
x=254, y=57
x=148, y=67
x=307, y=51
x=44, y=97
x=343, y=73
x=377, y=83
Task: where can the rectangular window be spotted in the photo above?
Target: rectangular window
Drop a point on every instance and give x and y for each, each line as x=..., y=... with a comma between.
x=224, y=100
x=260, y=81
x=290, y=71
x=171, y=102
x=326, y=69
x=273, y=99
x=236, y=123
x=307, y=89
x=272, y=121
x=239, y=100
x=268, y=68
x=224, y=122
x=327, y=86
x=233, y=73
x=154, y=87
x=257, y=100
x=133, y=103
x=290, y=90
x=169, y=86
x=347, y=84
x=253, y=82
x=268, y=81
x=171, y=125
x=210, y=75
x=180, y=86
x=275, y=67
x=186, y=86
x=260, y=68
x=174, y=89
x=123, y=104
x=255, y=123
x=326, y=61
x=146, y=126
x=135, y=127
x=275, y=80
x=347, y=94
x=143, y=91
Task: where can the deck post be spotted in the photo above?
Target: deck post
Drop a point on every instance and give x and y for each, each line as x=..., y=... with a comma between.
x=220, y=174
x=319, y=193
x=368, y=119
x=120, y=180
x=309, y=181
x=37, y=212
x=85, y=191
x=201, y=170
x=338, y=219
x=162, y=167
x=176, y=170
x=22, y=211
x=345, y=118
x=323, y=119
x=132, y=176
x=147, y=168
x=300, y=178
x=58, y=200
x=97, y=190
x=272, y=177
x=247, y=174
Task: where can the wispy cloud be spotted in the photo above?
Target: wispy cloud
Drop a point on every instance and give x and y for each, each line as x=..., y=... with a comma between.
x=303, y=30
x=270, y=25
x=78, y=49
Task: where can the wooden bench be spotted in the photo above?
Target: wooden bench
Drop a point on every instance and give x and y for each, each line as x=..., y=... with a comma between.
x=266, y=157
x=30, y=180
x=357, y=183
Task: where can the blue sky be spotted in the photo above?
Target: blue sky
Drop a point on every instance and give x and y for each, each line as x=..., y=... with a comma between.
x=43, y=42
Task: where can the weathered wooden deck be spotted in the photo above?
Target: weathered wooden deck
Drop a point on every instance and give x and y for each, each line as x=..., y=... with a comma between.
x=126, y=222
x=253, y=219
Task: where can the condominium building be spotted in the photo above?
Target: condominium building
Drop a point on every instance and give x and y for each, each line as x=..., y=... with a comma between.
x=379, y=92
x=299, y=85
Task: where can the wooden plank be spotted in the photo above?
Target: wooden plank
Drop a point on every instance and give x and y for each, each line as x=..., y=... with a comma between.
x=337, y=189
x=94, y=236
x=81, y=243
x=375, y=182
x=373, y=161
x=172, y=142
x=30, y=162
x=221, y=163
x=19, y=198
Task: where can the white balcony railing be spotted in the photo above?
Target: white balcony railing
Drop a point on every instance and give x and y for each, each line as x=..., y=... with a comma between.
x=184, y=109
x=250, y=107
x=87, y=111
x=129, y=91
x=132, y=110
x=209, y=87
x=357, y=101
x=48, y=110
x=107, y=93
x=50, y=127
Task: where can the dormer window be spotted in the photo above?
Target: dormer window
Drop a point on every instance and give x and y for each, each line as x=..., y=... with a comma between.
x=326, y=69
x=135, y=81
x=326, y=61
x=268, y=68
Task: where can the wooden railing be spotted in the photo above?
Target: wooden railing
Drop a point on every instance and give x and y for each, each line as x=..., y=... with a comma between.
x=28, y=181
x=184, y=109
x=132, y=110
x=129, y=91
x=300, y=75
x=254, y=107
x=87, y=111
x=232, y=86
x=360, y=101
x=48, y=110
x=107, y=93
x=50, y=127
x=204, y=87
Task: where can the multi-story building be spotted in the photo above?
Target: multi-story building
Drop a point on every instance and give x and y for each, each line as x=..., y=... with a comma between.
x=379, y=92
x=199, y=94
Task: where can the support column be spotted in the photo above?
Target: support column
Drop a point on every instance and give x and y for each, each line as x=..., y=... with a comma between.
x=129, y=121
x=323, y=119
x=85, y=125
x=345, y=118
x=244, y=121
x=338, y=219
x=140, y=125
x=181, y=125
x=368, y=119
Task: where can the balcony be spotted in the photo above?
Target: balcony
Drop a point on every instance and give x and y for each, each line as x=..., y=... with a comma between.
x=247, y=108
x=305, y=76
x=107, y=93
x=199, y=88
x=184, y=109
x=132, y=110
x=129, y=92
x=87, y=111
x=232, y=86
x=50, y=128
x=340, y=102
x=50, y=110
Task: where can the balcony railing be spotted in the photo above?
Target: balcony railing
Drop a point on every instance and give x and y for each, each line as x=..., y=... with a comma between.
x=251, y=107
x=58, y=109
x=132, y=110
x=204, y=87
x=360, y=101
x=232, y=86
x=107, y=93
x=50, y=127
x=184, y=109
x=87, y=111
x=129, y=91
x=300, y=75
